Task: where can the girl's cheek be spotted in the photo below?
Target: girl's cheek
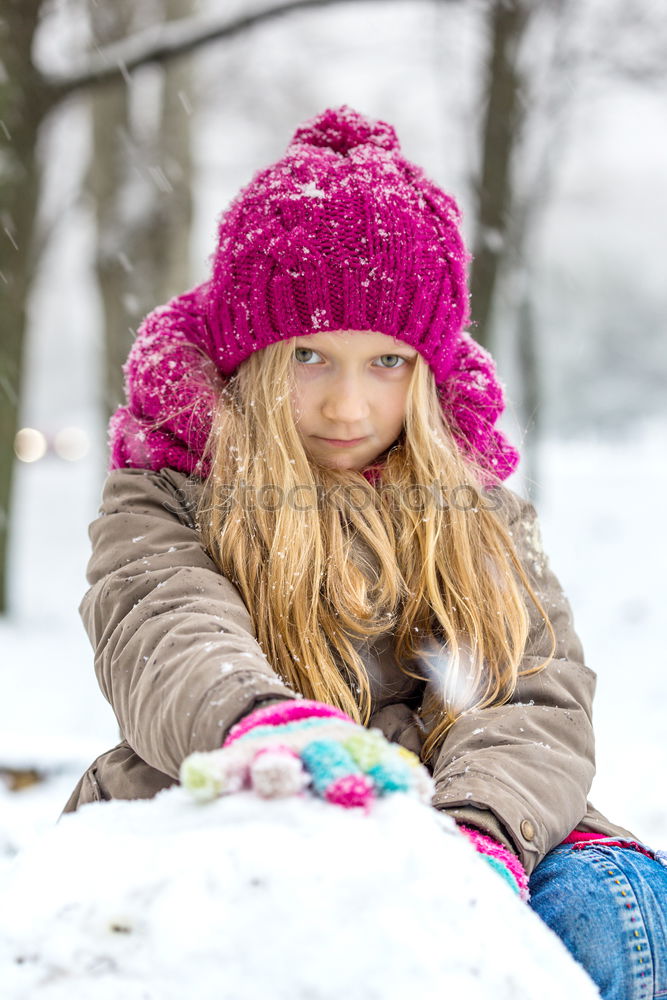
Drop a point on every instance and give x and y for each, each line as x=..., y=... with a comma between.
x=302, y=402
x=298, y=403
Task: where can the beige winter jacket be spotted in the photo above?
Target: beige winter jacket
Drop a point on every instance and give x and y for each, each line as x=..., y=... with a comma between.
x=177, y=658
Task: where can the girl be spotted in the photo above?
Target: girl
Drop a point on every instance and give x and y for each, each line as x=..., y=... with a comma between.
x=305, y=547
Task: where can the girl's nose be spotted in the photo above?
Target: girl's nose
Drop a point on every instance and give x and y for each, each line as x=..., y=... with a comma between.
x=345, y=403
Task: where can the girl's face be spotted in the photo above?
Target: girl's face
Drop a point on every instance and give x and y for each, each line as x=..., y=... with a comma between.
x=350, y=385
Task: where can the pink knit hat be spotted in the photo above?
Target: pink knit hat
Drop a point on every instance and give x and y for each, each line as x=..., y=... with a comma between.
x=342, y=233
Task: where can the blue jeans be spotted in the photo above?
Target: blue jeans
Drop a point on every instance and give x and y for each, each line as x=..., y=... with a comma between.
x=609, y=907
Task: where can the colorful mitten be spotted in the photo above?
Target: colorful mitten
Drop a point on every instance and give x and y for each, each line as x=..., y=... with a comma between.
x=283, y=748
x=501, y=860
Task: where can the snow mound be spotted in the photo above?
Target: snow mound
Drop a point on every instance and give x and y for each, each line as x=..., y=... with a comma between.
x=291, y=899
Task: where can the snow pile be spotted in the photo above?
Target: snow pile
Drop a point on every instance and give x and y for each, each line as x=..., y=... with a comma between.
x=244, y=898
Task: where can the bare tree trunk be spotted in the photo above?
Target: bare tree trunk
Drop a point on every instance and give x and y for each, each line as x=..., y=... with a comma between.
x=544, y=135
x=175, y=151
x=106, y=181
x=531, y=390
x=140, y=178
x=23, y=105
x=500, y=136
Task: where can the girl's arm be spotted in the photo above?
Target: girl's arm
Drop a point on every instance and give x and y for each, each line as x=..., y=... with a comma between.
x=521, y=772
x=175, y=648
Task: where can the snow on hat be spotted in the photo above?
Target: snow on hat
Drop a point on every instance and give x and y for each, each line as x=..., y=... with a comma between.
x=342, y=233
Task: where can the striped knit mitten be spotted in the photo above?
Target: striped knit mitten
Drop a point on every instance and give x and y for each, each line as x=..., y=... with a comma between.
x=501, y=860
x=301, y=746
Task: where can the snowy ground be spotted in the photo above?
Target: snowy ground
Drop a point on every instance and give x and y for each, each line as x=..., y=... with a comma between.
x=603, y=527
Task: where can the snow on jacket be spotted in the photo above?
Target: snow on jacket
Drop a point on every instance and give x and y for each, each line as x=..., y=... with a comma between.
x=176, y=656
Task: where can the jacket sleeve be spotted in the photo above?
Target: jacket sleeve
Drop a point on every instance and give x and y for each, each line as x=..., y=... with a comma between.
x=175, y=648
x=522, y=771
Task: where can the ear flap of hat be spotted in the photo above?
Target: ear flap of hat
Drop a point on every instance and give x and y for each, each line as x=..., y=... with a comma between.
x=171, y=386
x=472, y=400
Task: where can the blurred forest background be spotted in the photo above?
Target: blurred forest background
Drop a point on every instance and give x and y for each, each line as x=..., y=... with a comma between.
x=127, y=128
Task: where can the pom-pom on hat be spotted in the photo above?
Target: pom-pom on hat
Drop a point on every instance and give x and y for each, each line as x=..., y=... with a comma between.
x=341, y=233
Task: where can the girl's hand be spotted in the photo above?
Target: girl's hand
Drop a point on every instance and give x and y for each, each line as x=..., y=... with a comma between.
x=294, y=746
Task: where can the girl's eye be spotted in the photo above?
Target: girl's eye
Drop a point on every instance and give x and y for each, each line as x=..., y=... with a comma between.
x=298, y=352
x=395, y=357
x=308, y=350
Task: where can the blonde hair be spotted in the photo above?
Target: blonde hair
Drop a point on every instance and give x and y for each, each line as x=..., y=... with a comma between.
x=314, y=579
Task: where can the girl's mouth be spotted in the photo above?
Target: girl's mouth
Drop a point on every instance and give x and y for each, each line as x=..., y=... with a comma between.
x=337, y=443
